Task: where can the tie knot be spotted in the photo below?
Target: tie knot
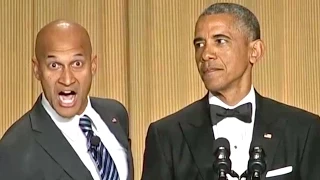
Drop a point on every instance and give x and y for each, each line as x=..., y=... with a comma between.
x=229, y=112
x=85, y=123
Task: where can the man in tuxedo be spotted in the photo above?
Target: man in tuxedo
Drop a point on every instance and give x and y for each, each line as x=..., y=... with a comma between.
x=180, y=146
x=67, y=134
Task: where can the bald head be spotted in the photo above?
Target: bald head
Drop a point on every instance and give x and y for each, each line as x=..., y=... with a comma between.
x=61, y=34
x=65, y=66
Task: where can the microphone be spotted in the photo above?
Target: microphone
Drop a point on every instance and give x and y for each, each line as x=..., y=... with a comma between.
x=95, y=140
x=256, y=164
x=222, y=163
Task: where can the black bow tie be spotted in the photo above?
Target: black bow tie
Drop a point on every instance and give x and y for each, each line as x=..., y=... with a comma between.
x=242, y=112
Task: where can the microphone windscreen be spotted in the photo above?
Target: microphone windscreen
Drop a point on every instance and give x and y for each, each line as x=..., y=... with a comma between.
x=95, y=140
x=221, y=142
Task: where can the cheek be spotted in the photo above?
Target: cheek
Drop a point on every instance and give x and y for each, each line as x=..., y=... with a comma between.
x=236, y=67
x=232, y=59
x=199, y=66
x=49, y=80
x=198, y=61
x=84, y=78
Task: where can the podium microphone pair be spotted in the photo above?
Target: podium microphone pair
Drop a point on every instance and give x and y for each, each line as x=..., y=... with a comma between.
x=222, y=163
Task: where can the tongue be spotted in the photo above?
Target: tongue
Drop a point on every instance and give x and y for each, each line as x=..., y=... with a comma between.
x=67, y=100
x=66, y=97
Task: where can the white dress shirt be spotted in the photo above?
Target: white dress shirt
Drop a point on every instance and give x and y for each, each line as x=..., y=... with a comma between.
x=236, y=131
x=72, y=132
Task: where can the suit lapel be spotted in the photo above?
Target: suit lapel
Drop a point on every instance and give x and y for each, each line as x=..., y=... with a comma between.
x=112, y=122
x=268, y=130
x=199, y=136
x=115, y=127
x=51, y=139
x=197, y=129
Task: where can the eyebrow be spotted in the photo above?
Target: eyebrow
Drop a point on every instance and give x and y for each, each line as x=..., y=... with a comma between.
x=197, y=39
x=51, y=57
x=79, y=54
x=217, y=36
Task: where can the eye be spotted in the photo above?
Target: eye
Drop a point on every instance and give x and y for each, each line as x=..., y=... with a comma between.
x=221, y=41
x=198, y=44
x=54, y=65
x=77, y=64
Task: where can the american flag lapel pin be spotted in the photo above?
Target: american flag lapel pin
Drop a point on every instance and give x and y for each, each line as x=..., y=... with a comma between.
x=114, y=120
x=267, y=135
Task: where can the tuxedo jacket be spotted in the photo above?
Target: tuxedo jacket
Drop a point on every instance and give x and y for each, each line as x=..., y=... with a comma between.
x=180, y=146
x=33, y=148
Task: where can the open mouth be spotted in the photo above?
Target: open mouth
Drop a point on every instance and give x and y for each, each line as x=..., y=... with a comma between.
x=67, y=98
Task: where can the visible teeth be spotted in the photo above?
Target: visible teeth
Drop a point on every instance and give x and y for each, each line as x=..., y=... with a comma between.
x=67, y=92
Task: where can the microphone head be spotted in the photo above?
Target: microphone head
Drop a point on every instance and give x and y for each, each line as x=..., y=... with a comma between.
x=95, y=140
x=221, y=142
x=257, y=160
x=221, y=147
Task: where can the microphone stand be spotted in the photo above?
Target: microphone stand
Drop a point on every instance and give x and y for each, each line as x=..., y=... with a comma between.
x=256, y=164
x=222, y=163
x=244, y=175
x=256, y=175
x=223, y=175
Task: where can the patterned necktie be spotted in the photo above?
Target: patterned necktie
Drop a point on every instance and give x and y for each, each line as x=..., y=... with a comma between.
x=100, y=154
x=242, y=112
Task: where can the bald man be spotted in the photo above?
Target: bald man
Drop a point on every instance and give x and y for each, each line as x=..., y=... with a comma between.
x=67, y=134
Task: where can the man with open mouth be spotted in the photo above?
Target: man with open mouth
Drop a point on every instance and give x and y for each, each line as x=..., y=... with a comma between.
x=67, y=134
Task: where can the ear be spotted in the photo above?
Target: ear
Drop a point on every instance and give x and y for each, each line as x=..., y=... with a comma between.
x=257, y=50
x=35, y=68
x=94, y=64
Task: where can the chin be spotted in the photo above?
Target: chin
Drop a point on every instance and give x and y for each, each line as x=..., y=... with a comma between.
x=67, y=112
x=67, y=115
x=213, y=88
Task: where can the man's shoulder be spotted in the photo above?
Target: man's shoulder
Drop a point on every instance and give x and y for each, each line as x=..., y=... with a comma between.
x=290, y=112
x=104, y=101
x=181, y=115
x=111, y=107
x=19, y=150
x=107, y=102
x=18, y=132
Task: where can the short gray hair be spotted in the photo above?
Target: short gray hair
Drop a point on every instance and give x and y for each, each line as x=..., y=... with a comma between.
x=245, y=17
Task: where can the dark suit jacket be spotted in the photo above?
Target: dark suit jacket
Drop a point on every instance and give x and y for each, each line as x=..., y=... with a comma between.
x=35, y=149
x=180, y=146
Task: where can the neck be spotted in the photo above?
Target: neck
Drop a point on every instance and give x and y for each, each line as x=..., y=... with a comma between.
x=83, y=106
x=232, y=96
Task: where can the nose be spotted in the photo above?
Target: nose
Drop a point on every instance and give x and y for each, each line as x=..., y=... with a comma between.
x=208, y=53
x=67, y=77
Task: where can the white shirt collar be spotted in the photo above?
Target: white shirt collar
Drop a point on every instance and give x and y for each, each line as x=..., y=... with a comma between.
x=68, y=126
x=250, y=97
